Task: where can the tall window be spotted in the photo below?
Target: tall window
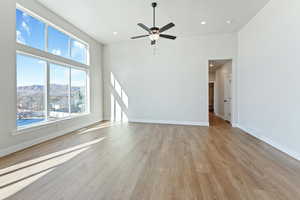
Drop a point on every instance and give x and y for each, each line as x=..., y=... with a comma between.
x=59, y=93
x=31, y=90
x=48, y=89
x=78, y=91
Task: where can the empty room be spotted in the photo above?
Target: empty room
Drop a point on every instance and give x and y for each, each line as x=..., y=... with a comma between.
x=149, y=100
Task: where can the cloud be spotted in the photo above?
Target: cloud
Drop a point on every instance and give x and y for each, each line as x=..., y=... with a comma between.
x=41, y=62
x=56, y=52
x=25, y=14
x=20, y=38
x=26, y=17
x=78, y=44
x=26, y=27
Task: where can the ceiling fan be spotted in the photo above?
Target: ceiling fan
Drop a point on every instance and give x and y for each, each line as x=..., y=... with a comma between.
x=155, y=33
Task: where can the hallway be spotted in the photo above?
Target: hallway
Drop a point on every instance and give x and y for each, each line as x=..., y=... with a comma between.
x=215, y=121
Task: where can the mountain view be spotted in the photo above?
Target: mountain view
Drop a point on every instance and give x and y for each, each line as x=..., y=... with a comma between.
x=31, y=101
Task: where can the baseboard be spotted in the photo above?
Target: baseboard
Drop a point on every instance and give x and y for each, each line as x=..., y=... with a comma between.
x=234, y=125
x=271, y=142
x=106, y=118
x=19, y=147
x=188, y=123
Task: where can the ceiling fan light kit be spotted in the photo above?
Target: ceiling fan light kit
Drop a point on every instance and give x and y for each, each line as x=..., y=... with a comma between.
x=155, y=33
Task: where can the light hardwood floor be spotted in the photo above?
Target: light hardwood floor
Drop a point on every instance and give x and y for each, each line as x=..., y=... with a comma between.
x=150, y=161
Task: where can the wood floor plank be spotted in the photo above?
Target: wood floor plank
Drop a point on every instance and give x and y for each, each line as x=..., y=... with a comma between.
x=111, y=161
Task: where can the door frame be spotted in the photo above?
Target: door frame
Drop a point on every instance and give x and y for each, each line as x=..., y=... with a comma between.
x=234, y=110
x=227, y=77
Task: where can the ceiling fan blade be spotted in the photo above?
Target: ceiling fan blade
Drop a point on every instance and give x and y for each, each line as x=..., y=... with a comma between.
x=153, y=42
x=166, y=27
x=143, y=26
x=140, y=36
x=168, y=36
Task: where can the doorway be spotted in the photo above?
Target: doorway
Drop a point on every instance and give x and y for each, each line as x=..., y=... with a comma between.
x=220, y=90
x=211, y=96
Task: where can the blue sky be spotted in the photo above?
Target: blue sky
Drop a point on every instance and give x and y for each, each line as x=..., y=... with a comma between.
x=29, y=30
x=31, y=71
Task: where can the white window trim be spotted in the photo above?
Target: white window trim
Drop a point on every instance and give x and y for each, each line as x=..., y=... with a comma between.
x=44, y=124
x=55, y=59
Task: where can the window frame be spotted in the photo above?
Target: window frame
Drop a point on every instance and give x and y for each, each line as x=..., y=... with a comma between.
x=48, y=57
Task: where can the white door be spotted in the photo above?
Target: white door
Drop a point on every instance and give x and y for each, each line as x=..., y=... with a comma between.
x=227, y=97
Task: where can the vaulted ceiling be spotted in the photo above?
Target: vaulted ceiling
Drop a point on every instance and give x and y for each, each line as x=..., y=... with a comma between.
x=101, y=18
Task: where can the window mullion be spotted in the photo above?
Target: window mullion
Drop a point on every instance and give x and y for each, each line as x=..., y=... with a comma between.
x=47, y=90
x=47, y=74
x=70, y=90
x=46, y=37
x=69, y=47
x=87, y=92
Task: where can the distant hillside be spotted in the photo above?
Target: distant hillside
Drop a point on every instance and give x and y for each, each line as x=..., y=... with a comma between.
x=55, y=90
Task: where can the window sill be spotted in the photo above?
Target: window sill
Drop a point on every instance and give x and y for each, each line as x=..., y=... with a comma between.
x=41, y=125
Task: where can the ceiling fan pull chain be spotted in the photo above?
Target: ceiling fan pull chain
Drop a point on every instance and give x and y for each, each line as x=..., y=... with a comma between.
x=154, y=49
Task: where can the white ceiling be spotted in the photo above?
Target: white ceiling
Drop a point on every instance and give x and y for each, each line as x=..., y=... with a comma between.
x=100, y=18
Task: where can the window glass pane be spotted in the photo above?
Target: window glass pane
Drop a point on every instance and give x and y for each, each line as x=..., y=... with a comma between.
x=78, y=91
x=58, y=42
x=58, y=91
x=78, y=51
x=31, y=84
x=29, y=31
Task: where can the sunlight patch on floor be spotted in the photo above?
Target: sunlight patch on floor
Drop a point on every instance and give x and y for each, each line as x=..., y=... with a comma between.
x=14, y=188
x=19, y=176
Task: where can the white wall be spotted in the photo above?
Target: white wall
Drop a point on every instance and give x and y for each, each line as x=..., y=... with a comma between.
x=170, y=86
x=220, y=88
x=268, y=72
x=8, y=141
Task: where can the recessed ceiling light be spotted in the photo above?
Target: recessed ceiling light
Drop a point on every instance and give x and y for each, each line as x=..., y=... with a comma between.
x=115, y=33
x=228, y=21
x=211, y=65
x=203, y=22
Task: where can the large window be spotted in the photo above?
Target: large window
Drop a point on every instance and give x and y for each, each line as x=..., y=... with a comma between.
x=66, y=86
x=48, y=89
x=43, y=36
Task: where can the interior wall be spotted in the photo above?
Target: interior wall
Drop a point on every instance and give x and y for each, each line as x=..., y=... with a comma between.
x=268, y=72
x=220, y=88
x=10, y=140
x=168, y=87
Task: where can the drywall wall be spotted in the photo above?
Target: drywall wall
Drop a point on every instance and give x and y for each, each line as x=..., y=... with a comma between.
x=168, y=87
x=8, y=141
x=221, y=72
x=268, y=75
